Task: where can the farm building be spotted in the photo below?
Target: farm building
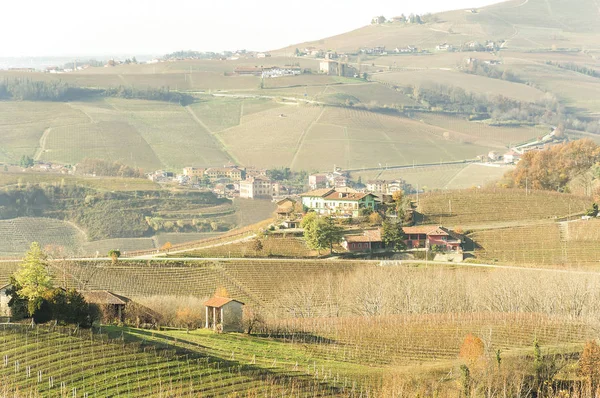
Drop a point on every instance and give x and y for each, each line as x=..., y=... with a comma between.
x=224, y=314
x=428, y=236
x=4, y=299
x=112, y=304
x=370, y=240
x=329, y=201
x=512, y=157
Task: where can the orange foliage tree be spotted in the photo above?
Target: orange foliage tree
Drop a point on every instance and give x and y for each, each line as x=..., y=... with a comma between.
x=472, y=349
x=553, y=168
x=589, y=365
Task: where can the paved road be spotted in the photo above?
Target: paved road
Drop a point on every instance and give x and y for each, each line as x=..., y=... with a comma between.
x=388, y=263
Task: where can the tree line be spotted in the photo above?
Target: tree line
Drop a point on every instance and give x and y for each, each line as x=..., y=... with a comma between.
x=477, y=67
x=24, y=89
x=576, y=68
x=101, y=167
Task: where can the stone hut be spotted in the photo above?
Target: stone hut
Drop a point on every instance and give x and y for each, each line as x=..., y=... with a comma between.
x=224, y=314
x=113, y=305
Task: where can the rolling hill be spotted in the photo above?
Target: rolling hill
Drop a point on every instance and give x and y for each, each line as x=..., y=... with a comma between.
x=525, y=24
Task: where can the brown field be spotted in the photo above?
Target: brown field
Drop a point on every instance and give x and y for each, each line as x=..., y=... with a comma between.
x=471, y=83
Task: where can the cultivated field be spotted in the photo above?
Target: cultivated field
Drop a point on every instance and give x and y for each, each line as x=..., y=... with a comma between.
x=57, y=363
x=17, y=234
x=470, y=83
x=314, y=138
x=22, y=125
x=489, y=206
x=271, y=247
x=569, y=244
x=481, y=133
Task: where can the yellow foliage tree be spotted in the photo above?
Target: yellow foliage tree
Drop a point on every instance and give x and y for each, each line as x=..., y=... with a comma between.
x=221, y=292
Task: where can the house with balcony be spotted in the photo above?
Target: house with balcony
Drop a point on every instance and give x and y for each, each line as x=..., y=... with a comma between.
x=329, y=201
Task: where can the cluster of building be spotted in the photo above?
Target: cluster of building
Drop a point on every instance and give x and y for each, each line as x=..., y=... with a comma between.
x=268, y=72
x=387, y=187
x=336, y=179
x=419, y=237
x=489, y=45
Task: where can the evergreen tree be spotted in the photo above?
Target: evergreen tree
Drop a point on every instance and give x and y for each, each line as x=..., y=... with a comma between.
x=392, y=235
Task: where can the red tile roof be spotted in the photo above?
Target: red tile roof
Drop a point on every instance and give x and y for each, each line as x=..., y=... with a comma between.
x=219, y=301
x=347, y=195
x=372, y=235
x=425, y=230
x=103, y=297
x=319, y=192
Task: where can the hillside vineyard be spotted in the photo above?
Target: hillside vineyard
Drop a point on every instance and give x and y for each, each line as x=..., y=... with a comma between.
x=406, y=209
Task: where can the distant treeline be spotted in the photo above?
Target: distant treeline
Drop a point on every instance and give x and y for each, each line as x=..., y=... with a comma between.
x=101, y=167
x=499, y=108
x=477, y=67
x=22, y=89
x=30, y=90
x=576, y=68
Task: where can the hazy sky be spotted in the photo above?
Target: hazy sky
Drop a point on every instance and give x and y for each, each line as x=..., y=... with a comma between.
x=129, y=27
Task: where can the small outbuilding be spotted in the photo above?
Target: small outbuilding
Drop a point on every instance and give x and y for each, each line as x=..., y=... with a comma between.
x=112, y=305
x=4, y=300
x=224, y=314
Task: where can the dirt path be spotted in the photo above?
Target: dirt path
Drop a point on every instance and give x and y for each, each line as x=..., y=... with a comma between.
x=42, y=147
x=220, y=142
x=303, y=136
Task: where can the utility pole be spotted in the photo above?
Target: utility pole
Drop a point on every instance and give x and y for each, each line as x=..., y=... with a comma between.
x=526, y=186
x=450, y=205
